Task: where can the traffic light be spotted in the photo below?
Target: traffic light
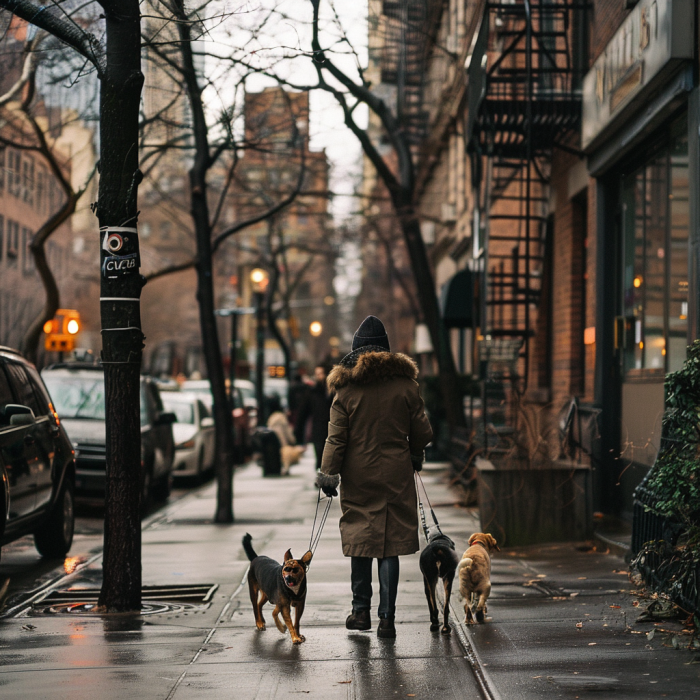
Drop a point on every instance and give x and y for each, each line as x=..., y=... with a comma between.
x=61, y=330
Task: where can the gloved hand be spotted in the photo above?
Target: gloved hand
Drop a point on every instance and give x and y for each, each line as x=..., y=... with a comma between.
x=328, y=483
x=417, y=461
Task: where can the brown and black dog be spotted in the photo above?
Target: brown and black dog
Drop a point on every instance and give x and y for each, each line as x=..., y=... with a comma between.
x=282, y=584
x=474, y=573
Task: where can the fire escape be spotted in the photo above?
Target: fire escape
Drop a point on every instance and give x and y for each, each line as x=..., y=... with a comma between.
x=523, y=101
x=405, y=42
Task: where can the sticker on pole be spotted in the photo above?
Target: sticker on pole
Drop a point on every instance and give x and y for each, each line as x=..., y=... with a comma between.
x=118, y=265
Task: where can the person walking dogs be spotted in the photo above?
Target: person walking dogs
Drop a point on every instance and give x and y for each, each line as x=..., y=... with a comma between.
x=376, y=437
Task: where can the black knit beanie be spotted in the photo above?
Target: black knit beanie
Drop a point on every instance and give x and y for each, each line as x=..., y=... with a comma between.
x=371, y=332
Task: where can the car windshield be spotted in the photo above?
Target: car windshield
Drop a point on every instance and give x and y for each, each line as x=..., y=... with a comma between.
x=183, y=411
x=78, y=397
x=82, y=397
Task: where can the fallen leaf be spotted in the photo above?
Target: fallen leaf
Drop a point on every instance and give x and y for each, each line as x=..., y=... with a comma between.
x=573, y=595
x=592, y=644
x=537, y=676
x=614, y=607
x=559, y=597
x=635, y=603
x=579, y=624
x=582, y=578
x=541, y=575
x=411, y=695
x=650, y=635
x=343, y=682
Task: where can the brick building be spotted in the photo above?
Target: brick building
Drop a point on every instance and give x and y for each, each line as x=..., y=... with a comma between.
x=557, y=179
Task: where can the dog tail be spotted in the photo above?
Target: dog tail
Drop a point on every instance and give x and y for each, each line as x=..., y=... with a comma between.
x=248, y=547
x=466, y=563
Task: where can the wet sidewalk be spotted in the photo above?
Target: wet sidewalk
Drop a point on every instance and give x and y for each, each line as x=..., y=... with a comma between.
x=562, y=620
x=191, y=652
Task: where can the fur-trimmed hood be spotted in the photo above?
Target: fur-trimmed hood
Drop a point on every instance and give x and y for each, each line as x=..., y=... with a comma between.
x=370, y=367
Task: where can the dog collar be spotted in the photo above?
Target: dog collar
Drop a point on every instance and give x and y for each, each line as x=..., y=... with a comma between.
x=482, y=544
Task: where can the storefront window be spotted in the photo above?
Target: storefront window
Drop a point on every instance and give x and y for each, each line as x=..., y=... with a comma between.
x=655, y=258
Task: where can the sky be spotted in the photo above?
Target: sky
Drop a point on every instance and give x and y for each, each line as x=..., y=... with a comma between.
x=282, y=45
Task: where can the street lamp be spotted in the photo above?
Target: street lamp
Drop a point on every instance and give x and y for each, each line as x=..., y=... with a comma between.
x=259, y=280
x=315, y=328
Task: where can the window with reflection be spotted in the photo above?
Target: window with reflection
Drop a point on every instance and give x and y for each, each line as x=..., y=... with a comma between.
x=655, y=220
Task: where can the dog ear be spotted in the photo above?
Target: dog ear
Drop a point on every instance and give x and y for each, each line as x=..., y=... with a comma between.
x=306, y=559
x=288, y=555
x=472, y=538
x=492, y=542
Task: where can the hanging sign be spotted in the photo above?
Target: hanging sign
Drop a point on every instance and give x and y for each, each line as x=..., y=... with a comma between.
x=654, y=39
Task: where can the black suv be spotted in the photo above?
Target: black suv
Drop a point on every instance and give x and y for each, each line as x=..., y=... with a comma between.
x=79, y=392
x=37, y=467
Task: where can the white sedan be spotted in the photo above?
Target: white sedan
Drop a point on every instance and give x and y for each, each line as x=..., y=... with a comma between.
x=193, y=433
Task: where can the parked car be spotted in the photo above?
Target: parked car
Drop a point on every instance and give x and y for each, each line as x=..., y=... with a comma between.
x=193, y=432
x=37, y=469
x=243, y=415
x=79, y=395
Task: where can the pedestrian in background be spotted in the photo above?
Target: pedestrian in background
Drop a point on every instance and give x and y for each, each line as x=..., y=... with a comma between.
x=317, y=407
x=377, y=433
x=290, y=452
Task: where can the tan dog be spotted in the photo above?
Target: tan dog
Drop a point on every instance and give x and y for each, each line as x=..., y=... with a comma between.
x=474, y=573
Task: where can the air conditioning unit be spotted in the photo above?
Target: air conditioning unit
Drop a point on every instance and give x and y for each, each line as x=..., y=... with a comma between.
x=448, y=213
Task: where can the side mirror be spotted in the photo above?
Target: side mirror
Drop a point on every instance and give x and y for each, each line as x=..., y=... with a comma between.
x=166, y=419
x=207, y=422
x=18, y=414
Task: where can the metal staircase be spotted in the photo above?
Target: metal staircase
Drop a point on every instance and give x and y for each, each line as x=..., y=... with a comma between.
x=528, y=102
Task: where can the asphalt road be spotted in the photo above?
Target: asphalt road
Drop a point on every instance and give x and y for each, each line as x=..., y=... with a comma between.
x=28, y=571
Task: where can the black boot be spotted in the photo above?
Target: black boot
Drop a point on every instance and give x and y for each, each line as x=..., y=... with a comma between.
x=359, y=620
x=386, y=629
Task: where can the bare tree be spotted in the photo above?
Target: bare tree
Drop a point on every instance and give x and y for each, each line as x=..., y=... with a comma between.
x=23, y=132
x=117, y=62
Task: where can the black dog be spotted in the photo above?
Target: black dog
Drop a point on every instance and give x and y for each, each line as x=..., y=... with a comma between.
x=281, y=584
x=439, y=560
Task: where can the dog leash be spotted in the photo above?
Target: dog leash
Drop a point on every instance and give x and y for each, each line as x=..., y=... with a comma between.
x=316, y=534
x=419, y=480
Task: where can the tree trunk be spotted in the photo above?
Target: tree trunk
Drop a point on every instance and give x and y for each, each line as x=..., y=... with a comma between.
x=223, y=419
x=121, y=283
x=425, y=287
x=272, y=323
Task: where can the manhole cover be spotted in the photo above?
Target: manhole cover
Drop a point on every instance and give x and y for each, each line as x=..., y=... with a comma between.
x=154, y=599
x=89, y=609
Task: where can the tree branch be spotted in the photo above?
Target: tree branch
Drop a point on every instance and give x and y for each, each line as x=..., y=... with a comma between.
x=86, y=44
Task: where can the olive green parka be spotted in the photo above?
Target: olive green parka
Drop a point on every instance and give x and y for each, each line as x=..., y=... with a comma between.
x=377, y=422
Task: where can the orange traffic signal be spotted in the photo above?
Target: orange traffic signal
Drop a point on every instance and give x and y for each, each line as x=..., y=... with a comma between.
x=61, y=330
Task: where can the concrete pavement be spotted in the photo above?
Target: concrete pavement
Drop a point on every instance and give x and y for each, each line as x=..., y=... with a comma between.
x=555, y=628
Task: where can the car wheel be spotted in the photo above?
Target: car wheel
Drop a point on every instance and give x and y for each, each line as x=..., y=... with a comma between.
x=55, y=537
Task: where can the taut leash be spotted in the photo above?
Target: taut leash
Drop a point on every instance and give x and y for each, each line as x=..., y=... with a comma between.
x=424, y=525
x=316, y=534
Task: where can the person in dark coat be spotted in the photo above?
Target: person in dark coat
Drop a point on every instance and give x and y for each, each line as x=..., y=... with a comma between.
x=376, y=437
x=317, y=407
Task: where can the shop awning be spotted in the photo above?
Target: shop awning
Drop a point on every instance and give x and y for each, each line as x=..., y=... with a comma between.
x=457, y=300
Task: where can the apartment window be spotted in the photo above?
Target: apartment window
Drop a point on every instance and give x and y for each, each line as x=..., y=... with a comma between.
x=28, y=258
x=41, y=190
x=14, y=172
x=12, y=242
x=2, y=237
x=28, y=180
x=655, y=210
x=3, y=151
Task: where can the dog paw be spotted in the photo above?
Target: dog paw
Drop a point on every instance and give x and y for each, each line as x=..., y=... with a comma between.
x=301, y=638
x=434, y=626
x=447, y=629
x=480, y=616
x=261, y=628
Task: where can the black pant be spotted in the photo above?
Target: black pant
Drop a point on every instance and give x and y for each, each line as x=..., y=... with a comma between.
x=361, y=579
x=318, y=446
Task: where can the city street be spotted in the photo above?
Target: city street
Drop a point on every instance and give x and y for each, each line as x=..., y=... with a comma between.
x=561, y=618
